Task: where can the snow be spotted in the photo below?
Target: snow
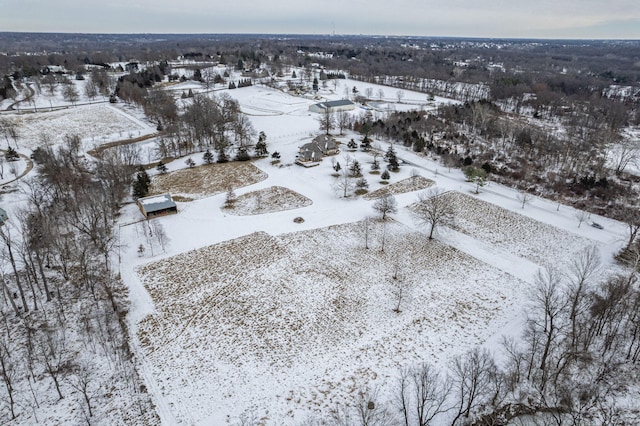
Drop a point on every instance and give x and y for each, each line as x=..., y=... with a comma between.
x=255, y=315
x=245, y=312
x=154, y=200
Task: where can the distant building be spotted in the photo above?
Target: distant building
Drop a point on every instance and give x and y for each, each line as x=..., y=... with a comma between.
x=332, y=106
x=157, y=205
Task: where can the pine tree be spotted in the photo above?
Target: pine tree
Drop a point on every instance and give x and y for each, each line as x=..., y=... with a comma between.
x=207, y=157
x=355, y=169
x=141, y=184
x=189, y=162
x=261, y=145
x=385, y=175
x=222, y=156
x=161, y=168
x=11, y=154
x=392, y=159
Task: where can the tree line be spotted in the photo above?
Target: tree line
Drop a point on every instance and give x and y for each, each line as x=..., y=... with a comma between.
x=63, y=335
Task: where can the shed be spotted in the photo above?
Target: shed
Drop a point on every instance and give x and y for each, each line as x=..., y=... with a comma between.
x=157, y=205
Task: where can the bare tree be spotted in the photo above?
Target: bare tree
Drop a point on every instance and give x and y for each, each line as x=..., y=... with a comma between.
x=399, y=95
x=435, y=209
x=160, y=234
x=343, y=119
x=422, y=394
x=583, y=271
x=344, y=183
x=368, y=92
x=581, y=215
x=82, y=380
x=366, y=224
x=8, y=372
x=70, y=93
x=386, y=205
x=549, y=305
x=623, y=154
x=51, y=350
x=327, y=120
x=524, y=197
x=472, y=374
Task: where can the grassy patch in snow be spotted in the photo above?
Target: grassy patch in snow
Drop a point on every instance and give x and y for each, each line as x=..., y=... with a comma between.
x=267, y=200
x=403, y=186
x=518, y=234
x=206, y=180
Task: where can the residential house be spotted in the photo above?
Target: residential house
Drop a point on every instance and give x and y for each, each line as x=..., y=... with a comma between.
x=311, y=153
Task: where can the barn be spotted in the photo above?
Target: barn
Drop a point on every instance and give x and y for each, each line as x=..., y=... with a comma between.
x=157, y=205
x=332, y=106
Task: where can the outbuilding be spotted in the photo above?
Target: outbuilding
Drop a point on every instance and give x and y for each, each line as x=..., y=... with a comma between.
x=332, y=106
x=157, y=205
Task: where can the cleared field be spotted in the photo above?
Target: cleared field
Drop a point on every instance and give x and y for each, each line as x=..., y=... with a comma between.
x=298, y=322
x=94, y=123
x=268, y=200
x=206, y=180
x=518, y=234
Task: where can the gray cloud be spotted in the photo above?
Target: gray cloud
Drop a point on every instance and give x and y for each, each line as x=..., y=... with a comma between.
x=479, y=18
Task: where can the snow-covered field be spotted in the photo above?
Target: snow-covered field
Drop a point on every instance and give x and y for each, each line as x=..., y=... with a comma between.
x=254, y=315
x=286, y=327
x=244, y=312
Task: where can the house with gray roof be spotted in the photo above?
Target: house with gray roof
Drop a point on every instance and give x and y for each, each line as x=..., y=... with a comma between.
x=310, y=154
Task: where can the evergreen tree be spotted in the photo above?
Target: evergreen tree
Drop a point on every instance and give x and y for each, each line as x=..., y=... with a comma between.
x=11, y=154
x=261, y=145
x=161, y=168
x=141, y=184
x=222, y=156
x=242, y=154
x=392, y=159
x=385, y=175
x=366, y=143
x=337, y=166
x=189, y=162
x=207, y=157
x=355, y=169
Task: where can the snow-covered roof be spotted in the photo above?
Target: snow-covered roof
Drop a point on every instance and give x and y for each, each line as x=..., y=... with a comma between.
x=157, y=202
x=333, y=104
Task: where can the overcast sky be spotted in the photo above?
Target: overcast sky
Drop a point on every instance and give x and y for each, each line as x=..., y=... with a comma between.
x=618, y=19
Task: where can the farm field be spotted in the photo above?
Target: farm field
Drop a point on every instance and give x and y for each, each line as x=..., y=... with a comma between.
x=298, y=322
